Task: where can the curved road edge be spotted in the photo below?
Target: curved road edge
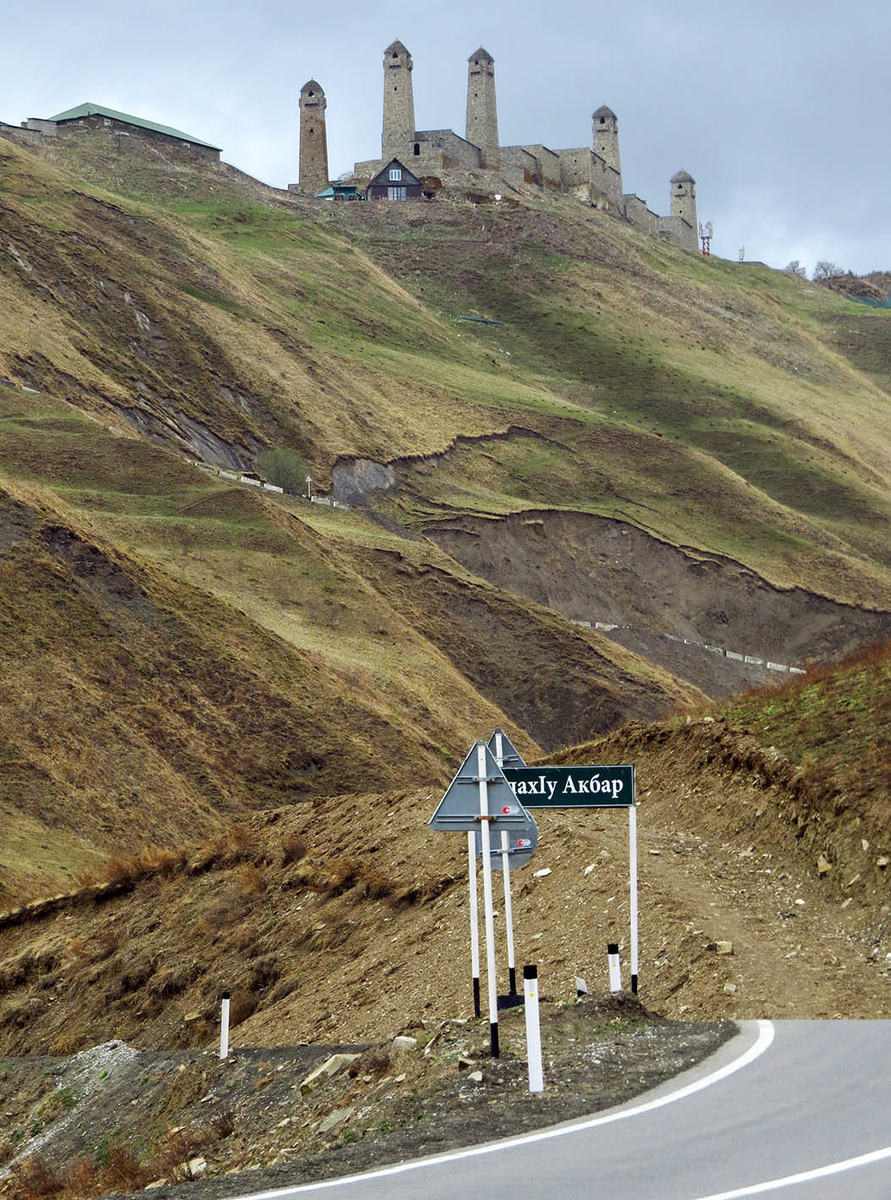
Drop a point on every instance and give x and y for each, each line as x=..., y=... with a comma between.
x=753, y=1039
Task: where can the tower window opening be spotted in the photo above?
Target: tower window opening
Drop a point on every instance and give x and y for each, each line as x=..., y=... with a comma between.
x=395, y=55
x=603, y=120
x=310, y=129
x=311, y=93
x=417, y=148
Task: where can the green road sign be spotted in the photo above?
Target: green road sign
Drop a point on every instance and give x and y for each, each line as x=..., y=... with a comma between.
x=572, y=787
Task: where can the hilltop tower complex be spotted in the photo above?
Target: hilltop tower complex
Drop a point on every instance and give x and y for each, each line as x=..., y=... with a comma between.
x=399, y=103
x=606, y=138
x=313, y=139
x=482, y=110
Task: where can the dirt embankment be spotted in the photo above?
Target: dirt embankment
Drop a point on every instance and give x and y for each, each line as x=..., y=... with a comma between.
x=112, y=1118
x=596, y=568
x=346, y=917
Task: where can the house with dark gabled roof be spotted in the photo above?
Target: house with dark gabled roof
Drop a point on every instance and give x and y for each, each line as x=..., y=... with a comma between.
x=394, y=182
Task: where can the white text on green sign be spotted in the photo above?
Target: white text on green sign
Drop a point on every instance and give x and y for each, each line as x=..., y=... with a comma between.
x=572, y=787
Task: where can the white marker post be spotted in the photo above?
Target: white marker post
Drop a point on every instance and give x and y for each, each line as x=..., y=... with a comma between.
x=632, y=839
x=309, y=487
x=533, y=1029
x=505, y=871
x=474, y=922
x=615, y=969
x=224, y=1026
x=508, y=913
x=487, y=897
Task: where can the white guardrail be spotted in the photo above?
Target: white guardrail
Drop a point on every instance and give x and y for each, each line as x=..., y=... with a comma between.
x=751, y=660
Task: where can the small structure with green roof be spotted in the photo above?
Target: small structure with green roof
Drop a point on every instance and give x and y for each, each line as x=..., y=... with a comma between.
x=97, y=115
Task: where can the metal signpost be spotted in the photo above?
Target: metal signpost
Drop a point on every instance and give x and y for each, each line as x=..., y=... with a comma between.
x=497, y=805
x=585, y=787
x=504, y=752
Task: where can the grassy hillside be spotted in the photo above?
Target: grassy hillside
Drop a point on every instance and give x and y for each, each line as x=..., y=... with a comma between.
x=177, y=645
x=178, y=650
x=723, y=407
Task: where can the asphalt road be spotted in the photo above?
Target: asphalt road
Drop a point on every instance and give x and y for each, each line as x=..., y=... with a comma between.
x=780, y=1101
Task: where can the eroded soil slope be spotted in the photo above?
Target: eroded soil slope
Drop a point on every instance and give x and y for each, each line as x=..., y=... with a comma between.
x=596, y=569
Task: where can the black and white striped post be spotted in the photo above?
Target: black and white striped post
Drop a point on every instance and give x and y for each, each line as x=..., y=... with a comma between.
x=474, y=922
x=632, y=857
x=489, y=915
x=533, y=1029
x=224, y=1025
x=615, y=967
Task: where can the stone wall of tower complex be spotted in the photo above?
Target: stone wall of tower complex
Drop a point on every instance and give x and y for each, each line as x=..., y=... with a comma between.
x=549, y=166
x=399, y=104
x=519, y=166
x=587, y=176
x=441, y=149
x=676, y=229
x=482, y=109
x=638, y=214
x=313, y=139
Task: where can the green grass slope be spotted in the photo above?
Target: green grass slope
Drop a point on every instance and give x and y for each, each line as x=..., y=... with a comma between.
x=177, y=651
x=722, y=407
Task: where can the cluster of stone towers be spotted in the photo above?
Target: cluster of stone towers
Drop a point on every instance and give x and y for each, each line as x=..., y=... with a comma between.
x=592, y=173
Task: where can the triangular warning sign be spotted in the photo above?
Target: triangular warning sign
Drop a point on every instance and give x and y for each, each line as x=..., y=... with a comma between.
x=510, y=756
x=521, y=845
x=460, y=806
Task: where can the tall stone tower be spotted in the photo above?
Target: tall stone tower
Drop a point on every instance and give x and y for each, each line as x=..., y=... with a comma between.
x=313, y=139
x=399, y=103
x=606, y=137
x=683, y=199
x=482, y=110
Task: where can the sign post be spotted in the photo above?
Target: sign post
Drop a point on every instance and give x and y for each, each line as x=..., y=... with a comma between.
x=496, y=805
x=487, y=899
x=474, y=922
x=632, y=857
x=501, y=752
x=585, y=787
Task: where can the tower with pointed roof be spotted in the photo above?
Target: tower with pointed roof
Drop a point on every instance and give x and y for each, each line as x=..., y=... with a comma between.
x=606, y=137
x=683, y=199
x=399, y=103
x=313, y=139
x=482, y=111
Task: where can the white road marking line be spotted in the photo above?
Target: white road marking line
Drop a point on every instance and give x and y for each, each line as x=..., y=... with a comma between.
x=762, y=1043
x=758, y=1189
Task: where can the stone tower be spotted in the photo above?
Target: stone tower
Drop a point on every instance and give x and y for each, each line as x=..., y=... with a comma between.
x=482, y=111
x=399, y=103
x=606, y=137
x=683, y=199
x=313, y=139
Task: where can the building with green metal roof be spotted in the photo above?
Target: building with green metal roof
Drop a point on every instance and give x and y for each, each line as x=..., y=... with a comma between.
x=83, y=112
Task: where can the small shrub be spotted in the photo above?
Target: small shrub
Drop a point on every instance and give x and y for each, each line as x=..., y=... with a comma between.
x=293, y=849
x=123, y=1173
x=35, y=1178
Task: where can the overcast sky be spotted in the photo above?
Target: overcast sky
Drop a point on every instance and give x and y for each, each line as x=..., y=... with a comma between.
x=778, y=108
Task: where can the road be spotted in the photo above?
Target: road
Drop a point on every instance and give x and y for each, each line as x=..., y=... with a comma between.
x=800, y=1110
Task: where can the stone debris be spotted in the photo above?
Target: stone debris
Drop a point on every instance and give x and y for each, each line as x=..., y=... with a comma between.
x=730, y=989
x=824, y=866
x=723, y=947
x=475, y=1077
x=541, y=874
x=338, y=1117
x=328, y=1069
x=196, y=1166
x=403, y=1045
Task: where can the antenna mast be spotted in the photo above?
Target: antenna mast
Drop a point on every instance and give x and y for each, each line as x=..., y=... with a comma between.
x=706, y=233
